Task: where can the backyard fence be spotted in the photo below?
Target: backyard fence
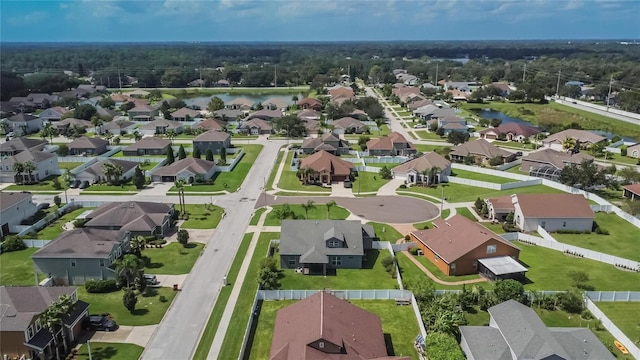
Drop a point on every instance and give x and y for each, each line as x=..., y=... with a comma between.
x=613, y=329
x=602, y=208
x=232, y=165
x=385, y=245
x=379, y=294
x=493, y=172
x=49, y=218
x=77, y=159
x=614, y=296
x=386, y=160
x=35, y=243
x=509, y=165
x=545, y=235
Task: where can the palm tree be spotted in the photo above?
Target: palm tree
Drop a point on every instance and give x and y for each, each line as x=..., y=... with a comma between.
x=433, y=175
x=568, y=143
x=379, y=123
x=44, y=132
x=97, y=124
x=308, y=206
x=180, y=186
x=128, y=266
x=18, y=168
x=52, y=319
x=425, y=176
x=329, y=205
x=137, y=244
x=49, y=321
x=117, y=172
x=108, y=169
x=171, y=134
x=30, y=167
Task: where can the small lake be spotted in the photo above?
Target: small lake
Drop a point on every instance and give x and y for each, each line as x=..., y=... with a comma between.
x=226, y=97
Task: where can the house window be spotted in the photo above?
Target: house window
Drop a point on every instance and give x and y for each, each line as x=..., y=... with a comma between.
x=564, y=224
x=334, y=243
x=38, y=325
x=452, y=267
x=436, y=258
x=101, y=262
x=321, y=344
x=73, y=262
x=292, y=260
x=475, y=264
x=491, y=249
x=335, y=260
x=29, y=332
x=543, y=224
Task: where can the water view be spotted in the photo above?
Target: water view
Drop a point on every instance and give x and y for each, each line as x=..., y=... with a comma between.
x=226, y=97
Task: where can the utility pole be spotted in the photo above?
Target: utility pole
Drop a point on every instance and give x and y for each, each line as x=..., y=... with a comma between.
x=609, y=94
x=524, y=73
x=436, y=79
x=558, y=84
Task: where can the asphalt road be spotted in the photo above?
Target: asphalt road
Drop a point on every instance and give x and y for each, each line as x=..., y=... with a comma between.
x=600, y=110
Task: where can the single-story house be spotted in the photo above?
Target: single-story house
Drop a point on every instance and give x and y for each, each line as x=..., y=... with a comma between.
x=404, y=92
x=82, y=254
x=138, y=93
x=512, y=132
x=454, y=126
x=137, y=217
x=552, y=212
x=35, y=100
x=481, y=150
x=240, y=104
x=19, y=144
x=416, y=103
x=185, y=114
x=221, y=83
x=347, y=125
x=308, y=114
x=433, y=111
x=228, y=114
x=393, y=145
x=634, y=151
x=323, y=326
x=142, y=112
x=341, y=91
x=89, y=146
x=210, y=125
x=161, y=126
x=216, y=141
x=318, y=245
x=465, y=86
x=310, y=104
x=584, y=137
x=499, y=207
x=457, y=246
x=46, y=164
x=515, y=331
x=86, y=89
x=186, y=169
x=118, y=127
x=95, y=172
x=14, y=208
x=255, y=127
x=324, y=168
x=63, y=126
x=148, y=146
x=53, y=114
x=275, y=104
x=265, y=114
x=430, y=168
x=327, y=142
x=548, y=163
x=22, y=331
x=24, y=124
x=631, y=192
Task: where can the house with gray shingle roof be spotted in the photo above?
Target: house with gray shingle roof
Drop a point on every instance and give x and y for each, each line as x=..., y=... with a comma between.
x=185, y=114
x=481, y=150
x=89, y=146
x=53, y=114
x=327, y=142
x=255, y=127
x=63, y=126
x=318, y=245
x=348, y=125
x=186, y=169
x=137, y=217
x=148, y=146
x=23, y=124
x=427, y=169
x=15, y=207
x=216, y=141
x=46, y=164
x=161, y=126
x=95, y=173
x=17, y=145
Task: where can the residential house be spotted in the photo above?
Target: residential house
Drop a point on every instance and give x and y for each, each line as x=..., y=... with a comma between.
x=308, y=114
x=311, y=120
x=348, y=125
x=430, y=168
x=46, y=164
x=393, y=145
x=341, y=98
x=548, y=163
x=14, y=208
x=359, y=114
x=634, y=151
x=406, y=93
x=63, y=126
x=240, y=104
x=118, y=127
x=255, y=127
x=328, y=142
x=228, y=114
x=19, y=144
x=275, y=104
x=318, y=245
x=433, y=111
x=511, y=132
x=407, y=79
x=481, y=150
x=148, y=146
x=82, y=254
x=34, y=101
x=185, y=114
x=137, y=217
x=323, y=326
x=312, y=127
x=53, y=114
x=211, y=125
x=95, y=173
x=631, y=192
x=325, y=168
x=105, y=113
x=417, y=102
x=458, y=95
x=119, y=99
x=24, y=124
x=196, y=83
x=198, y=104
x=552, y=212
x=142, y=112
x=449, y=127
x=459, y=246
x=138, y=93
x=341, y=91
x=397, y=72
x=221, y=83
x=504, y=88
x=88, y=89
x=161, y=126
x=215, y=141
x=310, y=104
x=499, y=207
x=516, y=332
x=188, y=169
x=583, y=137
x=22, y=331
x=463, y=86
x=265, y=114
x=89, y=146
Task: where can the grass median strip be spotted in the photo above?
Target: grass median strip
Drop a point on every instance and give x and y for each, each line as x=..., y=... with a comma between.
x=106, y=351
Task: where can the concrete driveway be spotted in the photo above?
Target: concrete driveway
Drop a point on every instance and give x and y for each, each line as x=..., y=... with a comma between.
x=156, y=189
x=138, y=335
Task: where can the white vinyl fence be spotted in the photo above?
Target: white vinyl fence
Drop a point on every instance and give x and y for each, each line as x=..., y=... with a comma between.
x=35, y=243
x=613, y=329
x=49, y=218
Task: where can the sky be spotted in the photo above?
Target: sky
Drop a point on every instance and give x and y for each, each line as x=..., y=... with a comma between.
x=316, y=20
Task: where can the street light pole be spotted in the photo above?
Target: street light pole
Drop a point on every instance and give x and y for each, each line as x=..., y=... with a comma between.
x=89, y=349
x=441, y=199
x=264, y=189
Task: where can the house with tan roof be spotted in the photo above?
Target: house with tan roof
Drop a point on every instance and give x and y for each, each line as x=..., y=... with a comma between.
x=240, y=104
x=63, y=126
x=392, y=145
x=341, y=91
x=327, y=142
x=266, y=114
x=324, y=168
x=324, y=327
x=348, y=125
x=228, y=114
x=406, y=92
x=511, y=132
x=216, y=141
x=308, y=114
x=142, y=112
x=211, y=124
x=186, y=169
x=137, y=217
x=255, y=127
x=275, y=104
x=310, y=104
x=185, y=114
x=430, y=168
x=548, y=163
x=632, y=192
x=583, y=137
x=417, y=102
x=499, y=207
x=481, y=150
x=117, y=127
x=634, y=151
x=53, y=114
x=88, y=146
x=161, y=126
x=552, y=212
x=459, y=246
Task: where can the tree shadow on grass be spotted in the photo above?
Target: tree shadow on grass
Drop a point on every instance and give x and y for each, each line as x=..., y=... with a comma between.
x=154, y=265
x=150, y=292
x=388, y=342
x=190, y=245
x=103, y=353
x=140, y=312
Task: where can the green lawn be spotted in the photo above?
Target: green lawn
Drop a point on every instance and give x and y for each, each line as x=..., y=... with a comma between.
x=386, y=232
x=445, y=213
x=514, y=145
x=626, y=316
x=397, y=321
x=44, y=185
x=516, y=170
x=274, y=170
x=544, y=265
x=106, y=351
x=318, y=212
x=466, y=213
x=413, y=272
x=202, y=216
x=463, y=193
x=149, y=309
x=436, y=148
x=367, y=182
x=172, y=259
x=256, y=216
x=371, y=276
x=623, y=239
x=496, y=228
x=480, y=177
x=54, y=229
x=425, y=135
x=16, y=268
x=223, y=297
x=68, y=165
x=235, y=333
x=289, y=179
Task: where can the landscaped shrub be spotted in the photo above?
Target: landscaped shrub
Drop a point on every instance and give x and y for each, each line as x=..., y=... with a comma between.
x=443, y=346
x=569, y=232
x=389, y=264
x=13, y=243
x=601, y=231
x=413, y=251
x=101, y=286
x=571, y=301
x=403, y=186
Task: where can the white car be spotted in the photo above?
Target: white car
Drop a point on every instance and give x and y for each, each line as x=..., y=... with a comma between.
x=419, y=126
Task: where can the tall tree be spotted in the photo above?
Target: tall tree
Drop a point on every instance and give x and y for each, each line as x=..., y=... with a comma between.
x=215, y=104
x=170, y=157
x=180, y=183
x=128, y=267
x=18, y=168
x=308, y=206
x=171, y=134
x=138, y=178
x=181, y=153
x=30, y=167
x=329, y=205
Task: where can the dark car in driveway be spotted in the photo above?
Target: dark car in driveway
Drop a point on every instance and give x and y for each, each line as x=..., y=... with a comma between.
x=75, y=183
x=100, y=323
x=84, y=185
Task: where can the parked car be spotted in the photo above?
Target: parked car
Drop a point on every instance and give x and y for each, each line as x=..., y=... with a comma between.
x=75, y=183
x=100, y=323
x=348, y=184
x=151, y=280
x=84, y=185
x=518, y=153
x=419, y=126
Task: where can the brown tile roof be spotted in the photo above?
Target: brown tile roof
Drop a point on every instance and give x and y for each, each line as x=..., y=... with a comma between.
x=322, y=160
x=504, y=203
x=257, y=123
x=513, y=128
x=169, y=124
x=324, y=317
x=141, y=108
x=424, y=162
x=555, y=158
x=453, y=238
x=71, y=122
x=480, y=147
x=242, y=102
x=210, y=124
x=310, y=102
x=581, y=135
x=279, y=103
x=634, y=188
x=20, y=304
x=184, y=112
x=308, y=114
x=388, y=142
x=87, y=143
x=571, y=206
x=266, y=114
x=211, y=135
x=341, y=91
x=347, y=122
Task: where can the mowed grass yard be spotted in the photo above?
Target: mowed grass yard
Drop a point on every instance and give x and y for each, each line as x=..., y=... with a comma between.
x=274, y=170
x=318, y=212
x=623, y=239
x=54, y=229
x=626, y=316
x=463, y=193
x=397, y=321
x=413, y=274
x=202, y=216
x=172, y=259
x=289, y=179
x=16, y=268
x=386, y=232
x=44, y=185
x=107, y=351
x=481, y=177
x=364, y=181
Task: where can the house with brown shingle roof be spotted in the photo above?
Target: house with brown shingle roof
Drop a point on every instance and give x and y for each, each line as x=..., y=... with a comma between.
x=406, y=92
x=308, y=114
x=327, y=142
x=584, y=137
x=89, y=146
x=240, y=104
x=512, y=132
x=211, y=124
x=552, y=212
x=430, y=168
x=265, y=114
x=185, y=114
x=341, y=91
x=632, y=192
x=142, y=112
x=148, y=146
x=499, y=207
x=186, y=169
x=392, y=145
x=256, y=127
x=216, y=141
x=634, y=151
x=552, y=159
x=310, y=104
x=324, y=168
x=458, y=246
x=275, y=104
x=348, y=125
x=481, y=150
x=324, y=327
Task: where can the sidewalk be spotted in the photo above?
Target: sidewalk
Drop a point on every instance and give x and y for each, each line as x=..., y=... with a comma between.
x=434, y=278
